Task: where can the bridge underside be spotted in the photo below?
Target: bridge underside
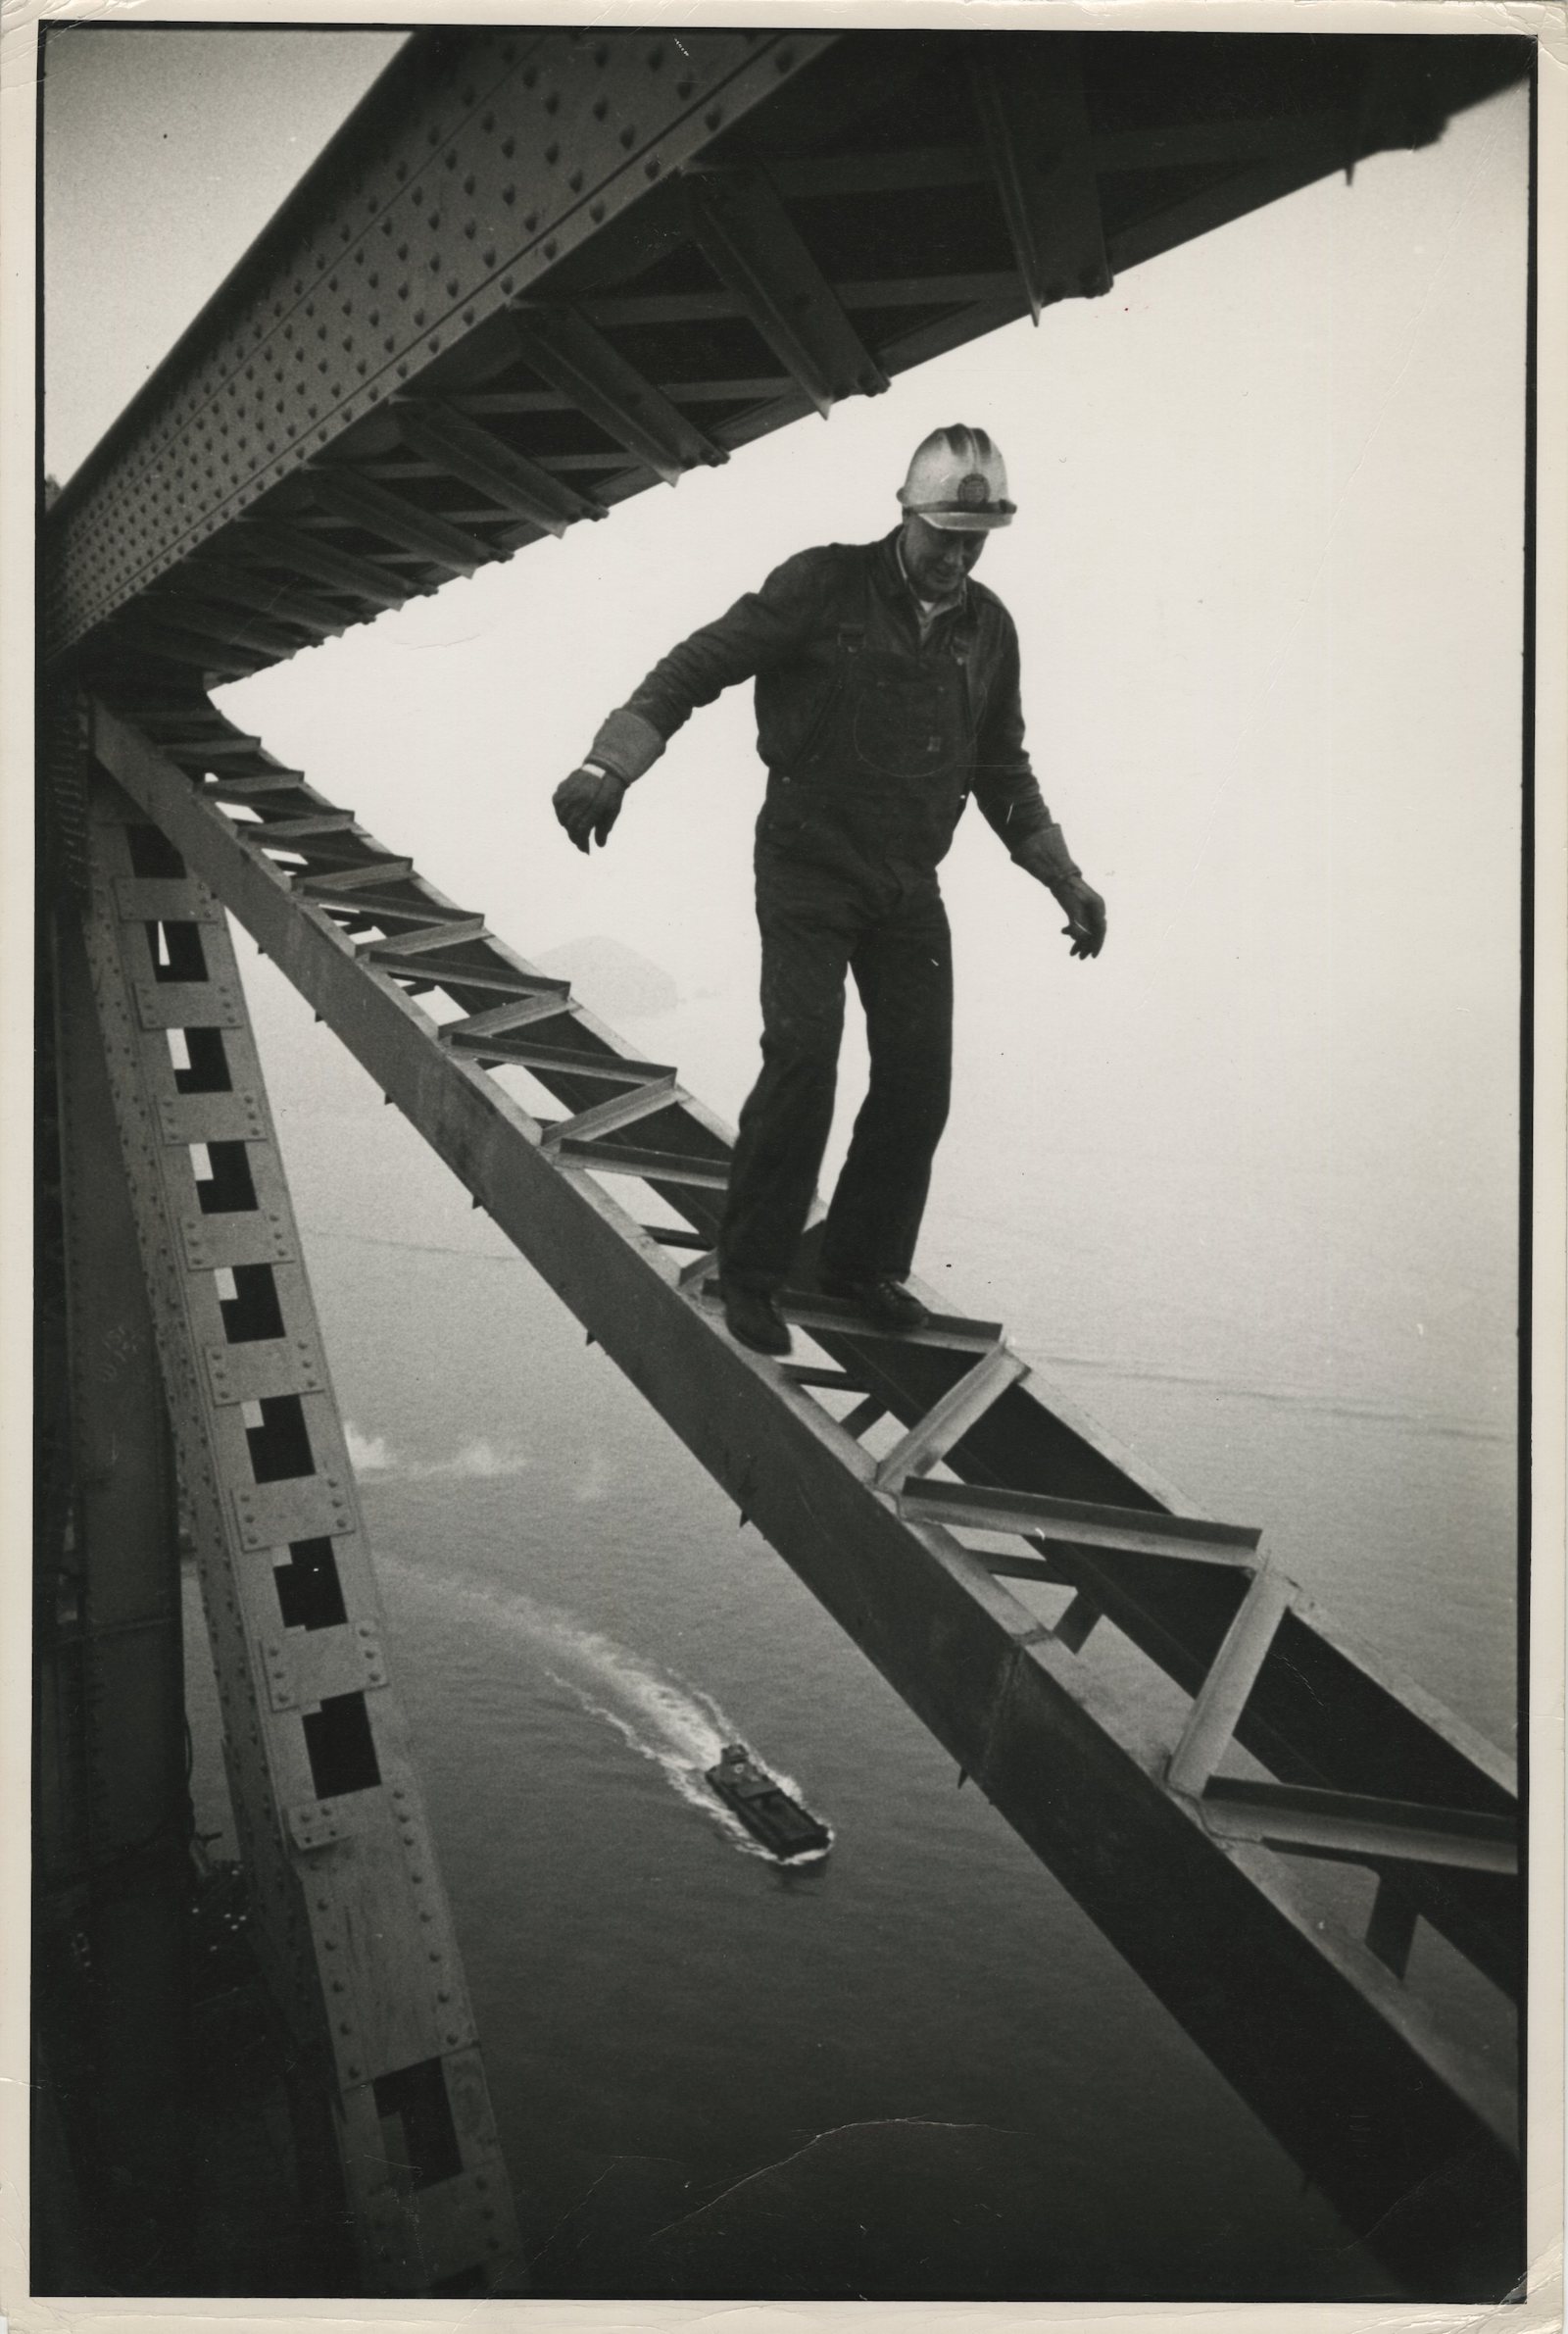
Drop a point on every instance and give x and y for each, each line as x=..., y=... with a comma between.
x=539, y=272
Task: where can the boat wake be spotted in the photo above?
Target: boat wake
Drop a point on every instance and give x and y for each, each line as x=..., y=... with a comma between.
x=667, y=1720
x=675, y=1725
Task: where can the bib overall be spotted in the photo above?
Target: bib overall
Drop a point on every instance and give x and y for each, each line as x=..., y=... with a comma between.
x=847, y=852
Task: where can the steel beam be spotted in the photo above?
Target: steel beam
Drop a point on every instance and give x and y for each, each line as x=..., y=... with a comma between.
x=222, y=584
x=754, y=248
x=113, y=1877
x=299, y=553
x=1035, y=123
x=349, y=1913
x=344, y=494
x=485, y=462
x=563, y=348
x=1358, y=1828
x=1228, y=1688
x=1307, y=2021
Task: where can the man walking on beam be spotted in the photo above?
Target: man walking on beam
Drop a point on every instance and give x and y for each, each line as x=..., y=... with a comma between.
x=887, y=692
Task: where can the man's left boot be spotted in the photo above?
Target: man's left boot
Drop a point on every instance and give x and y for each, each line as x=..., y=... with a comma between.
x=753, y=1316
x=882, y=1299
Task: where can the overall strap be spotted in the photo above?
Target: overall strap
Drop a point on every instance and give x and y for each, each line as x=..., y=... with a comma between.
x=963, y=647
x=852, y=630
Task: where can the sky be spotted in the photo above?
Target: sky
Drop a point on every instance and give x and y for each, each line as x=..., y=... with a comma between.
x=1267, y=575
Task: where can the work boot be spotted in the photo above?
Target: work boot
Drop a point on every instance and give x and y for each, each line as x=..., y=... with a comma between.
x=882, y=1299
x=752, y=1315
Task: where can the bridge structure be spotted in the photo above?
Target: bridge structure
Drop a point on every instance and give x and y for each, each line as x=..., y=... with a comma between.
x=535, y=273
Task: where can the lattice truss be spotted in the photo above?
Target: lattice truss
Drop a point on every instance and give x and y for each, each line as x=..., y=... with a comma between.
x=929, y=1496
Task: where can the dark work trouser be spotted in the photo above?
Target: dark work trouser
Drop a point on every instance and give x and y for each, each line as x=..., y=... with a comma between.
x=891, y=935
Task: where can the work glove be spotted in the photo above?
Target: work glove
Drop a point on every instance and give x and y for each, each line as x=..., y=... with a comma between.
x=1085, y=911
x=1046, y=857
x=588, y=804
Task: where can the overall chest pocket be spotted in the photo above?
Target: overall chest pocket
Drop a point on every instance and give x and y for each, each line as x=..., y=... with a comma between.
x=907, y=720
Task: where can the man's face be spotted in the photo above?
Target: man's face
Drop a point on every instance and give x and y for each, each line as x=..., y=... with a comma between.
x=936, y=558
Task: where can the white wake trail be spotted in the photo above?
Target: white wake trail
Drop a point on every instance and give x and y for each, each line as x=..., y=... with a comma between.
x=668, y=1721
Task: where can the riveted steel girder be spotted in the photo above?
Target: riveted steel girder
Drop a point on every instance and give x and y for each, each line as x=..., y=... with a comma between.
x=350, y=1916
x=478, y=162
x=613, y=255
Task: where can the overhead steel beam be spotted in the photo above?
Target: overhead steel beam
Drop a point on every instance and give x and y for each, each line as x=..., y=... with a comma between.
x=298, y=551
x=360, y=502
x=563, y=347
x=222, y=585
x=948, y=288
x=1036, y=127
x=1306, y=2018
x=468, y=451
x=478, y=163
x=494, y=170
x=754, y=248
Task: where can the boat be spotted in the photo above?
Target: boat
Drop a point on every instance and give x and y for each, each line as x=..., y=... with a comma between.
x=769, y=1814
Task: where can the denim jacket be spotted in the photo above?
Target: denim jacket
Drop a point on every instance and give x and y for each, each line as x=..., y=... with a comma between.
x=851, y=702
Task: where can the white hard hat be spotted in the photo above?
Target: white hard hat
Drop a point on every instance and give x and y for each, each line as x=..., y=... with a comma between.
x=958, y=481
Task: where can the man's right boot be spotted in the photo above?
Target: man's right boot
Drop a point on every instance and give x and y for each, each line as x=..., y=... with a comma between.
x=752, y=1315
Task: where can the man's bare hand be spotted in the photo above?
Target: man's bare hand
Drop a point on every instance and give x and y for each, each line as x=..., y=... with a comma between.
x=1085, y=911
x=588, y=804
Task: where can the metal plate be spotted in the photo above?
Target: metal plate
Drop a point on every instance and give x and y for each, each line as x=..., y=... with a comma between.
x=317, y=1824
x=165, y=899
x=264, y=1368
x=302, y=1666
x=302, y=1508
x=187, y=1005
x=212, y=1118
x=254, y=1236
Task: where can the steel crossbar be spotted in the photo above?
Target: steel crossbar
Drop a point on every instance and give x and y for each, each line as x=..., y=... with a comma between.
x=1212, y=1923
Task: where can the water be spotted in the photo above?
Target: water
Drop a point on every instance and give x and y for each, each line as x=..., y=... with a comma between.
x=912, y=2068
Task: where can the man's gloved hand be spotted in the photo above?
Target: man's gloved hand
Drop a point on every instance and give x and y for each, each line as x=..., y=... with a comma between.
x=1085, y=911
x=588, y=804
x=1046, y=857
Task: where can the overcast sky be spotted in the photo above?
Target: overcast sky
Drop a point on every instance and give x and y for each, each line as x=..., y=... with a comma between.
x=1266, y=572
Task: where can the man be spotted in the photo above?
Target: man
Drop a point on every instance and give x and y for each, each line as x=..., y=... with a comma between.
x=887, y=692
